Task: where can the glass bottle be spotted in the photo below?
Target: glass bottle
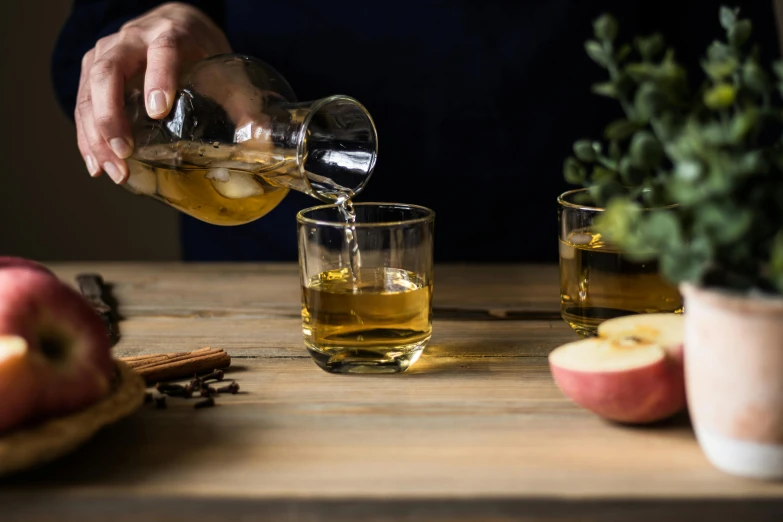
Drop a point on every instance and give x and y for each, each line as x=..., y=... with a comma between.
x=237, y=140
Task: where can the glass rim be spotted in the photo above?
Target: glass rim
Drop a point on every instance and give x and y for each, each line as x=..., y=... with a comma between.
x=429, y=216
x=300, y=146
x=563, y=202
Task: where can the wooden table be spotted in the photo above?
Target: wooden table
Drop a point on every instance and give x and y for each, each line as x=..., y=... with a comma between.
x=476, y=430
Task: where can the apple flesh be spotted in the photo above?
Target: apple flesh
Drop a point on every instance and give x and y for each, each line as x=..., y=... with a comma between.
x=666, y=330
x=56, y=350
x=632, y=373
x=17, y=383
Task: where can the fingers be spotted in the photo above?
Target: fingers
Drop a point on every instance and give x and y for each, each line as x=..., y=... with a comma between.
x=160, y=81
x=97, y=154
x=82, y=98
x=107, y=87
x=159, y=42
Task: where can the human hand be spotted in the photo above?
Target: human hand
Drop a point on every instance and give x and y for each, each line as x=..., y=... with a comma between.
x=155, y=44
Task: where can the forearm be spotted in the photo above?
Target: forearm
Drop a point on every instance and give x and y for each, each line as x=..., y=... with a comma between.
x=91, y=20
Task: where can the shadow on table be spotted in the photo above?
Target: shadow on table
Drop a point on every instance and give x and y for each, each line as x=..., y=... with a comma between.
x=148, y=442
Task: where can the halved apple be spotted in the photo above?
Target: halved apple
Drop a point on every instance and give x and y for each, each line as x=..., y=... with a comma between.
x=631, y=373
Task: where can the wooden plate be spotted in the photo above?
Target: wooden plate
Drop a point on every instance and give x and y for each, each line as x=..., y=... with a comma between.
x=54, y=438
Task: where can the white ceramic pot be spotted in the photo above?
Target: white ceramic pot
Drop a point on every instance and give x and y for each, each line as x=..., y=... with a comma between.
x=734, y=380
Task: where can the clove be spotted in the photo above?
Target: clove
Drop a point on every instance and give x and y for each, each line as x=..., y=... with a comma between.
x=175, y=390
x=208, y=391
x=232, y=388
x=216, y=375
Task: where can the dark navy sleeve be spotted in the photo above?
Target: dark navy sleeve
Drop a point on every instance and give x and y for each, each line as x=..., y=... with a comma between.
x=91, y=20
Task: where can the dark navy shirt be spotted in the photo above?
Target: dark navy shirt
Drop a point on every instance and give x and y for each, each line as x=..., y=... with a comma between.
x=477, y=102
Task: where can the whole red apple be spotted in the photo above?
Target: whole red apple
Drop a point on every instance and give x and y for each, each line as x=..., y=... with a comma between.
x=11, y=262
x=66, y=362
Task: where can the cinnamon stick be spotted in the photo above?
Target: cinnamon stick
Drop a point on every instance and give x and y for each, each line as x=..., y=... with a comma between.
x=144, y=360
x=166, y=367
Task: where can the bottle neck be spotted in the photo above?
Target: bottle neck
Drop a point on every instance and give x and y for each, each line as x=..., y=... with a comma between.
x=335, y=145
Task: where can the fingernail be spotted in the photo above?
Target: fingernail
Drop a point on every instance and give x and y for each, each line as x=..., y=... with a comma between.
x=113, y=171
x=121, y=147
x=157, y=103
x=92, y=167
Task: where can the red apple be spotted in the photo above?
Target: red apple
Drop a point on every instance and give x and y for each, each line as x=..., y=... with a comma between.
x=631, y=373
x=10, y=262
x=67, y=359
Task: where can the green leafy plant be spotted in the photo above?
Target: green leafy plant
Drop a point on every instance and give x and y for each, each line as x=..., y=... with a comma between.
x=715, y=151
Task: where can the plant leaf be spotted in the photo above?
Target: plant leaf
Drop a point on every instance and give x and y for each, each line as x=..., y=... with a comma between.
x=619, y=130
x=754, y=77
x=596, y=52
x=728, y=17
x=606, y=191
x=688, y=263
x=740, y=32
x=607, y=89
x=719, y=70
x=720, y=96
x=573, y=171
x=648, y=101
x=623, y=52
x=646, y=151
x=651, y=46
x=583, y=149
x=724, y=223
x=631, y=174
x=742, y=123
x=605, y=27
x=619, y=221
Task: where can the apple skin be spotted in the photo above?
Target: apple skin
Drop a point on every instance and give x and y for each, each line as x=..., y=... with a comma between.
x=68, y=363
x=639, y=395
x=18, y=262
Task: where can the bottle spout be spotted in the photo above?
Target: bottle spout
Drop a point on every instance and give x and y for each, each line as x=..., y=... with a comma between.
x=337, y=149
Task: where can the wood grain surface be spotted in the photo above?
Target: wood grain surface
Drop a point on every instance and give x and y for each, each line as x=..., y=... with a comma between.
x=476, y=431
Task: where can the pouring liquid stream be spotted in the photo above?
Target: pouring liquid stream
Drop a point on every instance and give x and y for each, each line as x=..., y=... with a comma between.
x=345, y=207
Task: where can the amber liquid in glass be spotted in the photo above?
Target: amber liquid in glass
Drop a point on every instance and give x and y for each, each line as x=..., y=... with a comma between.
x=598, y=283
x=376, y=324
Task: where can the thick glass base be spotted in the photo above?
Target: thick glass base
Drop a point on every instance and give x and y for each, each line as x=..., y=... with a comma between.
x=585, y=320
x=367, y=360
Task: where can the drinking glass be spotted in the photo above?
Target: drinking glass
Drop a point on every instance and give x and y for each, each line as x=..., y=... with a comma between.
x=596, y=281
x=366, y=286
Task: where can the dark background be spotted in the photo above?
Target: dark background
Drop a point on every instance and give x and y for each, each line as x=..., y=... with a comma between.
x=50, y=209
